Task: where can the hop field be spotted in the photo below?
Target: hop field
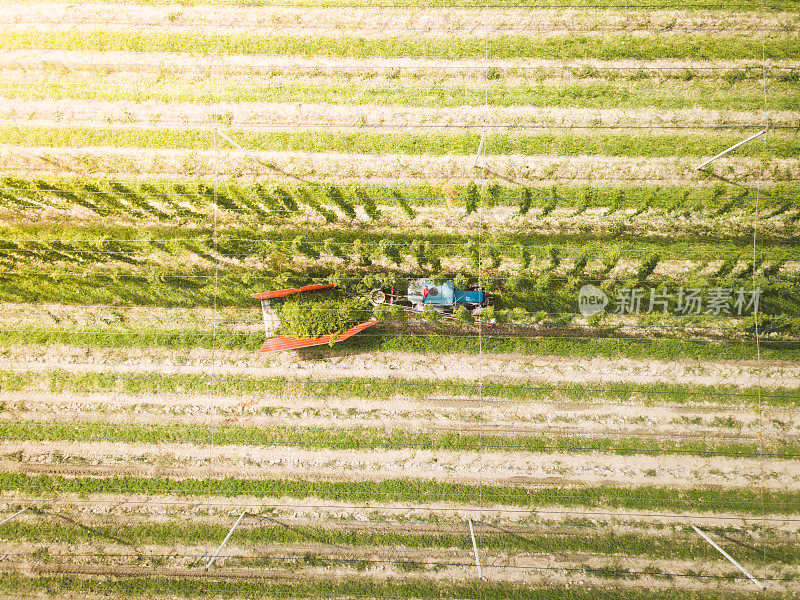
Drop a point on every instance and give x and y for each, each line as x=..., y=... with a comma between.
x=160, y=162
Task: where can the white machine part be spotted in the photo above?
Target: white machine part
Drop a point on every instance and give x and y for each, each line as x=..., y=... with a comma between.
x=271, y=319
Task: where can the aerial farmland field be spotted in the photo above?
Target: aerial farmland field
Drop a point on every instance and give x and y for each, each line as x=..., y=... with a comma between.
x=616, y=417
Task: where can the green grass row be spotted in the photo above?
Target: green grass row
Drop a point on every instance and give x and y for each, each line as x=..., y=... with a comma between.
x=361, y=587
x=565, y=342
x=607, y=47
x=498, y=539
x=435, y=144
x=660, y=95
x=157, y=383
x=745, y=501
x=365, y=438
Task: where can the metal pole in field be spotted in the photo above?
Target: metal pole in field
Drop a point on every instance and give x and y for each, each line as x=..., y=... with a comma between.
x=475, y=550
x=729, y=557
x=16, y=514
x=232, y=142
x=734, y=147
x=225, y=541
x=254, y=158
x=480, y=149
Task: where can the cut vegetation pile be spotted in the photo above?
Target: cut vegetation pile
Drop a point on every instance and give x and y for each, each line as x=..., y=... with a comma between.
x=138, y=420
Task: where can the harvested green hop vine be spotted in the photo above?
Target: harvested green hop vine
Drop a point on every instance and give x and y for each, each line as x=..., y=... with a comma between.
x=314, y=317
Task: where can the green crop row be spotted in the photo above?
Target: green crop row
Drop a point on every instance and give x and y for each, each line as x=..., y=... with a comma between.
x=541, y=290
x=365, y=438
x=497, y=539
x=361, y=587
x=155, y=383
x=642, y=92
x=353, y=252
x=155, y=199
x=552, y=144
x=196, y=200
x=746, y=501
x=606, y=47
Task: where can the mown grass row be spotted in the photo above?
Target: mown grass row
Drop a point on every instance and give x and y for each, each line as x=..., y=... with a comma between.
x=492, y=539
x=641, y=93
x=366, y=438
x=353, y=587
x=745, y=501
x=221, y=384
x=435, y=144
x=605, y=47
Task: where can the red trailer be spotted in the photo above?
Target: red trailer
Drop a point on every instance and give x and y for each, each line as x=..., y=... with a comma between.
x=286, y=342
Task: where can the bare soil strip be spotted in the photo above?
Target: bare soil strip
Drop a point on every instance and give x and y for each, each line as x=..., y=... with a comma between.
x=374, y=22
x=386, y=524
x=291, y=115
x=315, y=511
x=103, y=459
x=166, y=62
x=377, y=169
x=502, y=368
x=381, y=564
x=400, y=414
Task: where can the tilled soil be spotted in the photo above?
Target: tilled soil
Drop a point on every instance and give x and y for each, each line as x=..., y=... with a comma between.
x=382, y=563
x=492, y=467
x=372, y=22
x=166, y=61
x=293, y=116
x=315, y=511
x=396, y=413
x=501, y=368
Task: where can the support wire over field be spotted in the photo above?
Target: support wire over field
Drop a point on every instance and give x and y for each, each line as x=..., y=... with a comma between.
x=622, y=416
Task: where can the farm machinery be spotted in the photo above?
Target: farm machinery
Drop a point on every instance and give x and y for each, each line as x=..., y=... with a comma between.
x=444, y=298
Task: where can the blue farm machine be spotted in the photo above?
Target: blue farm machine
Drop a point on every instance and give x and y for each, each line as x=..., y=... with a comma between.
x=423, y=292
x=444, y=298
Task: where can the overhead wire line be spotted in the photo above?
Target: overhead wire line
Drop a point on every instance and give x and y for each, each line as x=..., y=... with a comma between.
x=767, y=128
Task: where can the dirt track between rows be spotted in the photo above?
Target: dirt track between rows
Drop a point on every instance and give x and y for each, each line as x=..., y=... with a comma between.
x=438, y=510
x=373, y=22
x=167, y=61
x=520, y=567
x=256, y=116
x=492, y=417
x=472, y=466
x=341, y=363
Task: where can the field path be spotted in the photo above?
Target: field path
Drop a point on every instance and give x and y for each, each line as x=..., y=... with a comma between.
x=405, y=365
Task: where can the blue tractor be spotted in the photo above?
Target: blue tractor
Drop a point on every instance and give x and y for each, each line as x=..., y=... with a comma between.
x=424, y=292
